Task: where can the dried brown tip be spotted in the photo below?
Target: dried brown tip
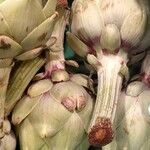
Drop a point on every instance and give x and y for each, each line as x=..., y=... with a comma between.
x=101, y=133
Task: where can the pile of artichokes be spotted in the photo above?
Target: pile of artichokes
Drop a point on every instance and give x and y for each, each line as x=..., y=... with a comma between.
x=98, y=98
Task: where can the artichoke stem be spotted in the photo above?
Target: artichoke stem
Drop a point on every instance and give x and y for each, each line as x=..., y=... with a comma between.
x=109, y=86
x=55, y=57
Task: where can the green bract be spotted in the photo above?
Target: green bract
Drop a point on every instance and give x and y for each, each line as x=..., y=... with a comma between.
x=26, y=25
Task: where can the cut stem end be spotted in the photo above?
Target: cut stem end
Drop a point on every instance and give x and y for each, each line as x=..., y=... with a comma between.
x=101, y=133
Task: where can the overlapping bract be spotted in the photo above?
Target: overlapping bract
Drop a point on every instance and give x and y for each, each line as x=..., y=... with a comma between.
x=26, y=25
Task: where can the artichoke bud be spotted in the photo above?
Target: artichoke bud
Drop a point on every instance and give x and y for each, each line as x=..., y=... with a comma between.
x=90, y=17
x=20, y=35
x=59, y=76
x=110, y=38
x=63, y=112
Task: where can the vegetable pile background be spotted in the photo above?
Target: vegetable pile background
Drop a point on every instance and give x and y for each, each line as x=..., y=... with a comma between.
x=74, y=75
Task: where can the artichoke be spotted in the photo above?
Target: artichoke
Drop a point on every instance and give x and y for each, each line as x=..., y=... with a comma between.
x=133, y=115
x=53, y=116
x=26, y=25
x=56, y=111
x=103, y=33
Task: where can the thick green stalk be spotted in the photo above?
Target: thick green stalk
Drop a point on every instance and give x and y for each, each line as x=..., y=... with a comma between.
x=20, y=80
x=56, y=53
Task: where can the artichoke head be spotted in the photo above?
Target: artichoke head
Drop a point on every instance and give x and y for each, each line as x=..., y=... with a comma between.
x=54, y=115
x=26, y=25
